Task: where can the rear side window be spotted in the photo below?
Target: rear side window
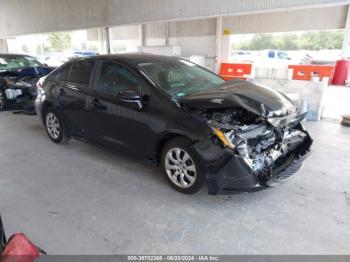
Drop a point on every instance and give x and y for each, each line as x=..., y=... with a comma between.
x=81, y=72
x=62, y=73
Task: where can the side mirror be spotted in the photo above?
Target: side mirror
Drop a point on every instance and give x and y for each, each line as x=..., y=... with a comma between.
x=130, y=98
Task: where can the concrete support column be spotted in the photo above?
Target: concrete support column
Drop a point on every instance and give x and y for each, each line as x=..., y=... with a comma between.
x=107, y=40
x=142, y=37
x=167, y=33
x=100, y=40
x=223, y=48
x=103, y=37
x=346, y=40
x=3, y=46
x=219, y=30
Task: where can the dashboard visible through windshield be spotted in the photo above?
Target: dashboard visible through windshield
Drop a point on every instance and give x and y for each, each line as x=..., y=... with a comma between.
x=180, y=77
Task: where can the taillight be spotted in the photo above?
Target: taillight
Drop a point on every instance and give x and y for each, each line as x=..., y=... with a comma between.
x=40, y=82
x=40, y=93
x=39, y=86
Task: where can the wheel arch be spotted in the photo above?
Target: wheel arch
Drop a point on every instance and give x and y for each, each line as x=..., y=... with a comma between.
x=48, y=104
x=165, y=138
x=45, y=106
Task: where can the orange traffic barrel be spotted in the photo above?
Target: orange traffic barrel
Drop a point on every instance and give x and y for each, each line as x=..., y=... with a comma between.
x=341, y=72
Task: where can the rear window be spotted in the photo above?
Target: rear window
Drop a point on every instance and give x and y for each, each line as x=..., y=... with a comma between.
x=81, y=72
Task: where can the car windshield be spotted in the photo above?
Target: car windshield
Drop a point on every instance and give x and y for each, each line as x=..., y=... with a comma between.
x=13, y=62
x=180, y=77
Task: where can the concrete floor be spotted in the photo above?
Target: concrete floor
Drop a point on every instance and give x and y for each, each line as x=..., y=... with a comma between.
x=79, y=199
x=336, y=102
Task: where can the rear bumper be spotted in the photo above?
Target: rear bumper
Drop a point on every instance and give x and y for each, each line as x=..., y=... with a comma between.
x=38, y=106
x=235, y=175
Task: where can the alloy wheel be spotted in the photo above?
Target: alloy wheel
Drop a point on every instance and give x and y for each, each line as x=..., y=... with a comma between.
x=180, y=168
x=53, y=125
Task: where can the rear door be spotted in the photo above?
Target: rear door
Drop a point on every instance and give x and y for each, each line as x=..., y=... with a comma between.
x=75, y=95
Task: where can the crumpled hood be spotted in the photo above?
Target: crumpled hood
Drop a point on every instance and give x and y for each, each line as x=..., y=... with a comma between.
x=27, y=71
x=260, y=100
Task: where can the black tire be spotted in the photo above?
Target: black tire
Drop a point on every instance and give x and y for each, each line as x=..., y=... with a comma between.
x=58, y=136
x=3, y=99
x=199, y=177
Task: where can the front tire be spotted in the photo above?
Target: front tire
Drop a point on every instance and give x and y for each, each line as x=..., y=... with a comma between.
x=181, y=166
x=54, y=126
x=3, y=99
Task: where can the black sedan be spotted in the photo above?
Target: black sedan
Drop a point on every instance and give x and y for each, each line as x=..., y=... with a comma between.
x=234, y=136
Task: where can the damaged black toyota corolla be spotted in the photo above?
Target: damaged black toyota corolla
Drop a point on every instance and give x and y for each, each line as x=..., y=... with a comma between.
x=234, y=136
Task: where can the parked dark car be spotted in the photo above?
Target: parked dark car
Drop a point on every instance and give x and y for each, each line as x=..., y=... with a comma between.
x=235, y=136
x=18, y=77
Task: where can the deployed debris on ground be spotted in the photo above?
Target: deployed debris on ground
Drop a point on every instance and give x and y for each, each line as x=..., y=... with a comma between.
x=346, y=120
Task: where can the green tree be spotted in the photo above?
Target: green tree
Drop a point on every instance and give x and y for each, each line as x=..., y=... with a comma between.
x=259, y=42
x=118, y=47
x=322, y=40
x=93, y=47
x=287, y=42
x=291, y=41
x=60, y=41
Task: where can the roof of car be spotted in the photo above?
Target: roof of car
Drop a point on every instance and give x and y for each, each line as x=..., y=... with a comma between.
x=132, y=58
x=14, y=55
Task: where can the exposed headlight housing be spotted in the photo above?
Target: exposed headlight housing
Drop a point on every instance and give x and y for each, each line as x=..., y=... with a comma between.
x=280, y=121
x=221, y=135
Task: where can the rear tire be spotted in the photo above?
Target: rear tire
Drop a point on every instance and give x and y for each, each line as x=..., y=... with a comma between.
x=55, y=126
x=181, y=166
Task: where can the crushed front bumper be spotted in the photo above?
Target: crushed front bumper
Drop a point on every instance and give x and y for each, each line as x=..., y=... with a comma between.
x=287, y=172
x=230, y=173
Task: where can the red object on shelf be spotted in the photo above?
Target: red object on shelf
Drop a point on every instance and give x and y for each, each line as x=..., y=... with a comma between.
x=306, y=72
x=235, y=71
x=341, y=72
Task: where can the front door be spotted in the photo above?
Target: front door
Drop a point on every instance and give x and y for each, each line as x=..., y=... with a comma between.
x=120, y=124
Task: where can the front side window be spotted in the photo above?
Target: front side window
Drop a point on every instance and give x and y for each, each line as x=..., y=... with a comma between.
x=81, y=72
x=115, y=78
x=180, y=77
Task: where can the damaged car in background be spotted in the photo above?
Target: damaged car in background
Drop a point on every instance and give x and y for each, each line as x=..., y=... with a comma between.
x=233, y=136
x=19, y=75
